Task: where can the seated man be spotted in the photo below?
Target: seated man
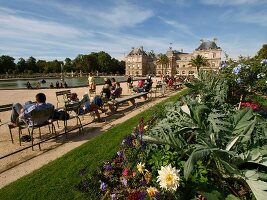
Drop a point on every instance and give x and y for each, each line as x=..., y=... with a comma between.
x=86, y=106
x=117, y=92
x=24, y=112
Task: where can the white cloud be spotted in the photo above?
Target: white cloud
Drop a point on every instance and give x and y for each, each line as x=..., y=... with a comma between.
x=233, y=2
x=181, y=27
x=259, y=18
x=119, y=15
x=12, y=24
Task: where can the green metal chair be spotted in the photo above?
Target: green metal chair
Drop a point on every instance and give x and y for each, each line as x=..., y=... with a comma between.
x=40, y=114
x=73, y=110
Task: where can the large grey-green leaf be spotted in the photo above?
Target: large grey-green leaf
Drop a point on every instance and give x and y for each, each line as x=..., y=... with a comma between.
x=196, y=155
x=257, y=186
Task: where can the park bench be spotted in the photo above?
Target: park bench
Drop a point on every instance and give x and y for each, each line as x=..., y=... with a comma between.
x=62, y=97
x=114, y=104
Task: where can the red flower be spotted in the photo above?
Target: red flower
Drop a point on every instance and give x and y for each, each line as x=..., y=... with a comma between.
x=125, y=172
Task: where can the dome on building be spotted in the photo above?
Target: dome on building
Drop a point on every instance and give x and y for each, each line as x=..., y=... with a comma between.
x=206, y=45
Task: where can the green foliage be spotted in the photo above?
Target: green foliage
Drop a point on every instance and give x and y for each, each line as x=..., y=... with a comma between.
x=163, y=61
x=101, y=62
x=251, y=78
x=262, y=53
x=231, y=141
x=198, y=62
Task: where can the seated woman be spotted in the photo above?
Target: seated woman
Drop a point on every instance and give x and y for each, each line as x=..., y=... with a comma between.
x=87, y=106
x=117, y=92
x=106, y=93
x=113, y=84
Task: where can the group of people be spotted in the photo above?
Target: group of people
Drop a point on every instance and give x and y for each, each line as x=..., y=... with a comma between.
x=59, y=85
x=111, y=90
x=143, y=85
x=51, y=85
x=23, y=113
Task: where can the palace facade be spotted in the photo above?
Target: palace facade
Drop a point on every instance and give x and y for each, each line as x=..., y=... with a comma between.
x=140, y=63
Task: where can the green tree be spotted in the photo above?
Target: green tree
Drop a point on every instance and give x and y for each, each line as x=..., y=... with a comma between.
x=104, y=61
x=21, y=65
x=262, y=53
x=31, y=64
x=68, y=66
x=41, y=65
x=198, y=62
x=163, y=61
x=7, y=64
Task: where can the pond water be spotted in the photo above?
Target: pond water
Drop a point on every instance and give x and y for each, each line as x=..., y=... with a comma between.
x=71, y=82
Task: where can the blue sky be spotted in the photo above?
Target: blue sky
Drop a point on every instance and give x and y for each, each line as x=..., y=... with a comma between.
x=56, y=29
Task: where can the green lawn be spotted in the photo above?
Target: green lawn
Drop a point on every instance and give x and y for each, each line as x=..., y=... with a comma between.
x=57, y=179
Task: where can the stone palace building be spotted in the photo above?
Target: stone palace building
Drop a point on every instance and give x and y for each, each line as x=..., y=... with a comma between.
x=140, y=63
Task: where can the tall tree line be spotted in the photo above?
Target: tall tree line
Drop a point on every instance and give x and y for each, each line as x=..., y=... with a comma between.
x=93, y=62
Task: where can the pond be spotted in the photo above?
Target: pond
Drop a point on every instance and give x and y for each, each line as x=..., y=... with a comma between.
x=71, y=82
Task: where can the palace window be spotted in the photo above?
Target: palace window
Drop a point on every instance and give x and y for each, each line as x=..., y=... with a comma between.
x=183, y=72
x=214, y=55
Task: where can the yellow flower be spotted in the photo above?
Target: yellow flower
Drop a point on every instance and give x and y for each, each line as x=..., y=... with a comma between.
x=168, y=178
x=141, y=167
x=152, y=191
x=145, y=127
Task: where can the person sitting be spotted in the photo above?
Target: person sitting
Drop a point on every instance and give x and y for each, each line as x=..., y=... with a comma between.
x=29, y=86
x=86, y=106
x=106, y=93
x=38, y=85
x=140, y=83
x=113, y=83
x=51, y=85
x=145, y=87
x=107, y=81
x=24, y=112
x=117, y=92
x=57, y=84
x=65, y=85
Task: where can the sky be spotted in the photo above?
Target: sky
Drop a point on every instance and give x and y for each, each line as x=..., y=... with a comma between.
x=56, y=29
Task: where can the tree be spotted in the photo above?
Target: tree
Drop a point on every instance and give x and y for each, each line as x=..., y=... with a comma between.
x=68, y=66
x=262, y=53
x=198, y=62
x=31, y=64
x=104, y=60
x=163, y=61
x=21, y=65
x=41, y=65
x=7, y=64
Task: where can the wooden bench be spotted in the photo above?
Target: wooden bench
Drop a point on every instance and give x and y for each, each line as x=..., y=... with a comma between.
x=114, y=104
x=65, y=96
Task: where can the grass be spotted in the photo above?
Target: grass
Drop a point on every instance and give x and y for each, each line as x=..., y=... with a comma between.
x=57, y=179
